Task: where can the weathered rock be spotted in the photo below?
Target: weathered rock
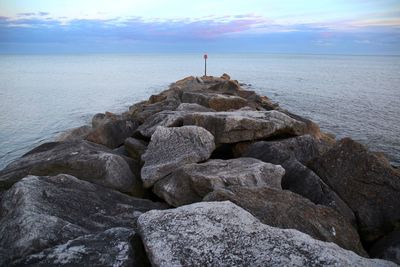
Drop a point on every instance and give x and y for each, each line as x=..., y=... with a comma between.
x=81, y=159
x=135, y=147
x=79, y=133
x=163, y=118
x=388, y=247
x=144, y=110
x=232, y=127
x=226, y=76
x=41, y=212
x=112, y=134
x=368, y=184
x=109, y=248
x=192, y=182
x=284, y=209
x=223, y=234
x=192, y=107
x=298, y=178
x=171, y=148
x=218, y=102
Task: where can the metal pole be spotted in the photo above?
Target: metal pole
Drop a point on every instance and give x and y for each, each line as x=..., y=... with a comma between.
x=205, y=67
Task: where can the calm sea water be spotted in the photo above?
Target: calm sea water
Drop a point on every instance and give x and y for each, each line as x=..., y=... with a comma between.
x=43, y=95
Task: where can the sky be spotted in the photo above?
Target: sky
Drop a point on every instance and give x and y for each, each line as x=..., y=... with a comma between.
x=239, y=26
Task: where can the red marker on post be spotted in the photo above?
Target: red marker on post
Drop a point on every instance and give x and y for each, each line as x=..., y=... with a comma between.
x=205, y=64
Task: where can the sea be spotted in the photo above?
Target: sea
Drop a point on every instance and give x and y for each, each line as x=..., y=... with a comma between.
x=349, y=96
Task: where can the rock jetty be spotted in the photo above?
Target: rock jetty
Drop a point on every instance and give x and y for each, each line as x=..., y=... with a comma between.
x=206, y=173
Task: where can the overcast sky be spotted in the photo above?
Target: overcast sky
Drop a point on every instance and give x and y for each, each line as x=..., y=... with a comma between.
x=119, y=26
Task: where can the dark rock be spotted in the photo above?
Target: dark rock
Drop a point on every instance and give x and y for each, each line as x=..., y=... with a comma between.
x=284, y=209
x=368, y=184
x=388, y=247
x=135, y=147
x=223, y=234
x=42, y=212
x=109, y=248
x=113, y=133
x=82, y=159
x=171, y=148
x=75, y=134
x=143, y=111
x=226, y=76
x=232, y=127
x=192, y=182
x=163, y=118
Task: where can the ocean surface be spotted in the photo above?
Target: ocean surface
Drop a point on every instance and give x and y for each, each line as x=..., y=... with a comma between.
x=44, y=95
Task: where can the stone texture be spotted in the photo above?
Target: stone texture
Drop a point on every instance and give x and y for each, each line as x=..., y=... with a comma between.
x=171, y=148
x=163, y=118
x=192, y=107
x=78, y=133
x=292, y=153
x=218, y=102
x=41, y=212
x=135, y=147
x=109, y=248
x=81, y=159
x=368, y=184
x=223, y=234
x=192, y=182
x=284, y=209
x=388, y=247
x=113, y=133
x=232, y=127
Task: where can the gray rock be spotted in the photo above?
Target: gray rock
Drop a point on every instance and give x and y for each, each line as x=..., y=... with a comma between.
x=388, y=247
x=292, y=153
x=113, y=133
x=284, y=209
x=223, y=234
x=109, y=248
x=232, y=127
x=366, y=182
x=135, y=147
x=41, y=212
x=142, y=111
x=218, y=102
x=163, y=118
x=192, y=107
x=82, y=159
x=192, y=182
x=79, y=133
x=171, y=148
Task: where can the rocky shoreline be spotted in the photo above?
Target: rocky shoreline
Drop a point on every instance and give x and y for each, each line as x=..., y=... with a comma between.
x=205, y=173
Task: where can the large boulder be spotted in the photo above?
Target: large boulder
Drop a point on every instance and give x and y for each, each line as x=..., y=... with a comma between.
x=292, y=154
x=135, y=147
x=144, y=110
x=223, y=234
x=218, y=102
x=112, y=247
x=163, y=118
x=79, y=133
x=366, y=182
x=113, y=133
x=41, y=212
x=171, y=148
x=284, y=209
x=232, y=127
x=192, y=182
x=388, y=247
x=82, y=159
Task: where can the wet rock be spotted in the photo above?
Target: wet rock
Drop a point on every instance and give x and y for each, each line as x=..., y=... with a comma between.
x=112, y=134
x=223, y=234
x=75, y=134
x=109, y=248
x=388, y=247
x=292, y=153
x=42, y=212
x=171, y=148
x=368, y=184
x=218, y=102
x=192, y=182
x=82, y=159
x=232, y=127
x=284, y=209
x=135, y=147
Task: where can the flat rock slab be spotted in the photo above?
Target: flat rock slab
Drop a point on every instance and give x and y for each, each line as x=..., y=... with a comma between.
x=218, y=102
x=223, y=234
x=109, y=248
x=366, y=182
x=192, y=182
x=287, y=210
x=41, y=212
x=171, y=148
x=82, y=159
x=236, y=126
